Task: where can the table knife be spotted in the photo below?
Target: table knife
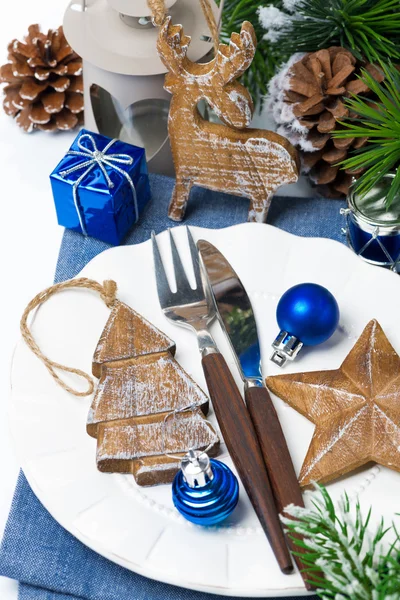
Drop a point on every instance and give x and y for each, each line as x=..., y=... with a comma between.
x=236, y=316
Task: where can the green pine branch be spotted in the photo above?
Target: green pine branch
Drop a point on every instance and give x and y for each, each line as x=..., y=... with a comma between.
x=379, y=121
x=370, y=29
x=346, y=559
x=267, y=56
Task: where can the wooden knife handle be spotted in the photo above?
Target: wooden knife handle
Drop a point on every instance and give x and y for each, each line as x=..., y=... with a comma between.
x=276, y=455
x=241, y=440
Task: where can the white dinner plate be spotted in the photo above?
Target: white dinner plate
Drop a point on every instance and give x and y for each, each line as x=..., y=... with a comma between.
x=139, y=528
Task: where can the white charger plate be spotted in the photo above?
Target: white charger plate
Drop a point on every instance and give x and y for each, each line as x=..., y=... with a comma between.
x=139, y=528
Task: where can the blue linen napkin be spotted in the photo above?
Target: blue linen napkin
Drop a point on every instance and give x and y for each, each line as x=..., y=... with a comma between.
x=50, y=563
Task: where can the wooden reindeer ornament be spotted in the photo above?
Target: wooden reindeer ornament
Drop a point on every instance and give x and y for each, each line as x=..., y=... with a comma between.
x=229, y=158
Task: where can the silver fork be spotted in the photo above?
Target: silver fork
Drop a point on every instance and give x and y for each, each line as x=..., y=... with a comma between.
x=188, y=307
x=192, y=308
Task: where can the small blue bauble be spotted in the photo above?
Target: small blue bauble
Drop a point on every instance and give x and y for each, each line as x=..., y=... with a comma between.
x=208, y=504
x=309, y=312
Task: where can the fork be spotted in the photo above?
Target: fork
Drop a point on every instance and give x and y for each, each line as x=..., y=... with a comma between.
x=192, y=308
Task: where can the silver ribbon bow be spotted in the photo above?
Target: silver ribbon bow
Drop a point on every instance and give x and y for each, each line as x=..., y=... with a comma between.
x=98, y=158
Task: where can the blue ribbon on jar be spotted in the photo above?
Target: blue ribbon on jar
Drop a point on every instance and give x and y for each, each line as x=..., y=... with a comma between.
x=98, y=158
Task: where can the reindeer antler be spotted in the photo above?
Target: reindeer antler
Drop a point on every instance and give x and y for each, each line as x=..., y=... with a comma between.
x=172, y=45
x=233, y=60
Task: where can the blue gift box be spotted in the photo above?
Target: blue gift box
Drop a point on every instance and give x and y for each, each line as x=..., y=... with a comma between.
x=100, y=187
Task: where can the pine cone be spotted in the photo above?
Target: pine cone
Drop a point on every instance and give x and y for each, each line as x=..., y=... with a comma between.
x=307, y=100
x=44, y=82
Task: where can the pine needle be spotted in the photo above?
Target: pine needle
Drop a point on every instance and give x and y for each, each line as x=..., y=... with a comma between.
x=370, y=29
x=379, y=121
x=339, y=545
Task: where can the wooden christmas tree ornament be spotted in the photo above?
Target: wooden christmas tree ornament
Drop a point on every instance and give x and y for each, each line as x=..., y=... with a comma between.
x=226, y=157
x=355, y=409
x=141, y=385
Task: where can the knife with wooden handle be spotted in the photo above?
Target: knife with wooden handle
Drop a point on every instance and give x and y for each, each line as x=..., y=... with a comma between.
x=236, y=316
x=193, y=308
x=242, y=442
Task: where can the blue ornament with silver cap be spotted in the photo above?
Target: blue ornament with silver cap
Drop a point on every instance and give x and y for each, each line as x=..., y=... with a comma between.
x=204, y=491
x=307, y=315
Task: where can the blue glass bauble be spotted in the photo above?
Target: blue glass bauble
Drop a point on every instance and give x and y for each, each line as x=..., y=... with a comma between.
x=211, y=503
x=309, y=312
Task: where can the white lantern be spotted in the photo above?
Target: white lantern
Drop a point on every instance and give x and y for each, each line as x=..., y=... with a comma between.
x=123, y=75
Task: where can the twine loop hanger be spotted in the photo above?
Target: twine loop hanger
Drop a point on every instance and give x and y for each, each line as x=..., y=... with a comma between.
x=107, y=291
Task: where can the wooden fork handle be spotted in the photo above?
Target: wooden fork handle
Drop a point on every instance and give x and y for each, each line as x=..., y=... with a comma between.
x=276, y=456
x=241, y=440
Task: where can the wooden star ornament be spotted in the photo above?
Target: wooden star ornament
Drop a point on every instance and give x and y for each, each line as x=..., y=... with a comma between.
x=356, y=409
